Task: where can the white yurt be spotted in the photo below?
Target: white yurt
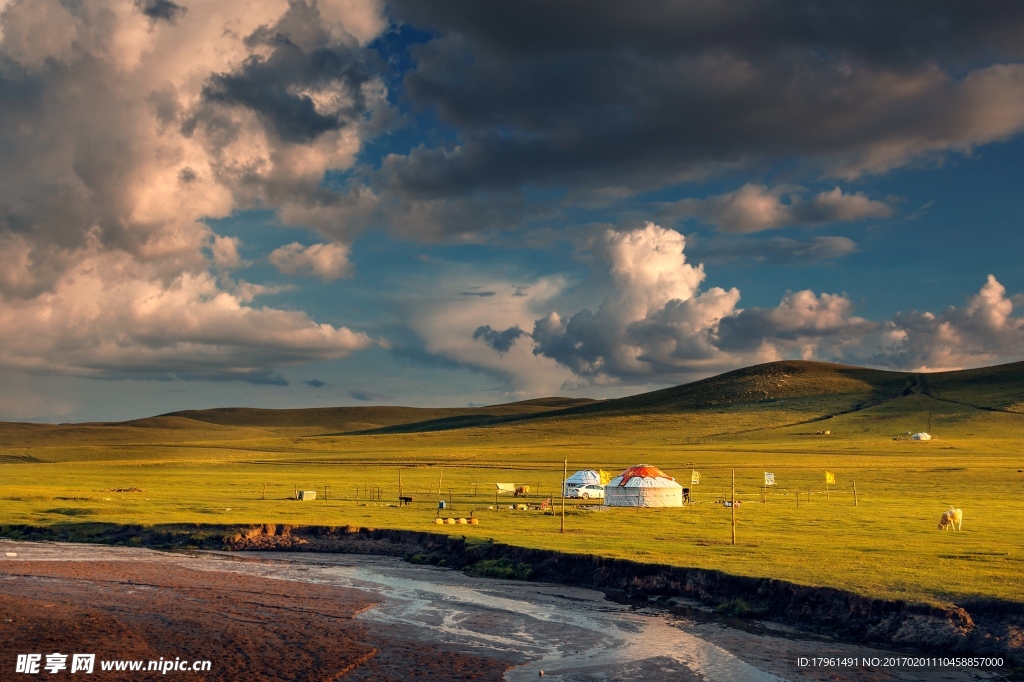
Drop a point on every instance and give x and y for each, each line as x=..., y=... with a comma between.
x=922, y=436
x=643, y=485
x=582, y=478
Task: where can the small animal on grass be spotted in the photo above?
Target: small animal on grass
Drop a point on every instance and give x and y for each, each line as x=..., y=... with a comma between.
x=951, y=519
x=405, y=500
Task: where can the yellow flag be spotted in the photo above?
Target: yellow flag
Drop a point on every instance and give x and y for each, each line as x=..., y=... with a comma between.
x=694, y=478
x=605, y=476
x=830, y=478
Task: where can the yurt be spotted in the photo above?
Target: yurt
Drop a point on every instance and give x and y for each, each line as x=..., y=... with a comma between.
x=582, y=478
x=921, y=436
x=643, y=485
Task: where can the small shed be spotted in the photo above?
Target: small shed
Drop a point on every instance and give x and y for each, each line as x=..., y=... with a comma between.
x=307, y=494
x=921, y=436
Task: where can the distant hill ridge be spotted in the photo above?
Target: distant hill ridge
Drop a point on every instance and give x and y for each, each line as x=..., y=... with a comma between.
x=360, y=417
x=818, y=387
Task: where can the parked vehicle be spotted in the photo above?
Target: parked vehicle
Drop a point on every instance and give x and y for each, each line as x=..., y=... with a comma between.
x=591, y=491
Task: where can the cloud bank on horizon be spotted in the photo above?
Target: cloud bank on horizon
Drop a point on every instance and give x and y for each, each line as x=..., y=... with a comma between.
x=658, y=323
x=130, y=127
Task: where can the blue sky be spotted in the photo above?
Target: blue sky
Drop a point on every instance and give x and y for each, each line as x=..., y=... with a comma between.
x=440, y=203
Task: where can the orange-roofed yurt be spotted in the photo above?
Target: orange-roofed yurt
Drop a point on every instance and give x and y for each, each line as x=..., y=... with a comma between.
x=643, y=485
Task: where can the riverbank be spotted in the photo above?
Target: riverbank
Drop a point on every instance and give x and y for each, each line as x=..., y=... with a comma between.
x=975, y=628
x=270, y=615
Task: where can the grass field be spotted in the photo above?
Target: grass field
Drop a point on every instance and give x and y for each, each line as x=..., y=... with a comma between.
x=211, y=467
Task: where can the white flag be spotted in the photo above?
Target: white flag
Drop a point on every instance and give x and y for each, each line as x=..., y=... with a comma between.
x=769, y=479
x=694, y=478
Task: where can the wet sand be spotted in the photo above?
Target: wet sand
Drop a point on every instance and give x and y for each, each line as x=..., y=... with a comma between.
x=299, y=616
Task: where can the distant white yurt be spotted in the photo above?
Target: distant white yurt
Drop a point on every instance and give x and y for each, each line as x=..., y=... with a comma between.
x=643, y=486
x=582, y=478
x=921, y=436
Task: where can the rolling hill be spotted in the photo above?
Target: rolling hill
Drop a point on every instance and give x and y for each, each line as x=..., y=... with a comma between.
x=771, y=395
x=348, y=419
x=245, y=423
x=793, y=391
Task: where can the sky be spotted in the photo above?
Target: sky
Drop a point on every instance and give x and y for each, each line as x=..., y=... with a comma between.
x=213, y=203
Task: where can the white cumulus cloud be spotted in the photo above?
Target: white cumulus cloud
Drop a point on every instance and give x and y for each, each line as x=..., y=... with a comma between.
x=657, y=325
x=326, y=261
x=481, y=332
x=655, y=304
x=982, y=332
x=112, y=315
x=125, y=125
x=754, y=208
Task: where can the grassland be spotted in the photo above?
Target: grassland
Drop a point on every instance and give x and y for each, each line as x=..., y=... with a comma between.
x=211, y=467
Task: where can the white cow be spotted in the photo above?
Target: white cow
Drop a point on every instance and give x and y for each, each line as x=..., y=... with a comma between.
x=951, y=519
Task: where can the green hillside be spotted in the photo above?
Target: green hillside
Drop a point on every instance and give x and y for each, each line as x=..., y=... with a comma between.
x=244, y=424
x=997, y=388
x=788, y=393
x=345, y=419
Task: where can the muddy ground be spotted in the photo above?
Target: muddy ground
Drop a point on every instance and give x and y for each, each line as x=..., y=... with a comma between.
x=269, y=615
x=251, y=628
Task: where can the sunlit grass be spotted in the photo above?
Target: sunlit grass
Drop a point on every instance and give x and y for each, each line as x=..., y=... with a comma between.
x=887, y=546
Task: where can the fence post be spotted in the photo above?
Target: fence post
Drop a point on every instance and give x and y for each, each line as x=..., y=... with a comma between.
x=565, y=471
x=734, y=506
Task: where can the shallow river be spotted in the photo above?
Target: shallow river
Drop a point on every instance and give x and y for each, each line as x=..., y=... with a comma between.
x=572, y=634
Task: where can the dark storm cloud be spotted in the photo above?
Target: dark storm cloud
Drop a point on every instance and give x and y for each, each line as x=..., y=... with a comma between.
x=581, y=343
x=600, y=95
x=160, y=10
x=315, y=383
x=756, y=26
x=501, y=341
x=273, y=86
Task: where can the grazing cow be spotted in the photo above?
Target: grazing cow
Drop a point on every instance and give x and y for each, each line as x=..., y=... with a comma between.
x=404, y=500
x=951, y=519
